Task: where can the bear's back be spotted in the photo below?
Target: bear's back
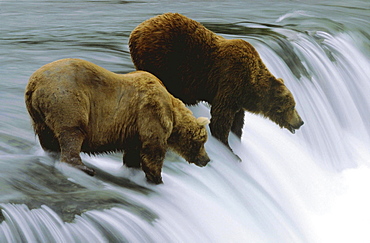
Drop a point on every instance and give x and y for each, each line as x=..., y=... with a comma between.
x=80, y=76
x=178, y=50
x=71, y=71
x=172, y=31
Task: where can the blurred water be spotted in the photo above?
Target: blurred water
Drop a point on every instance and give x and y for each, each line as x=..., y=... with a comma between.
x=307, y=187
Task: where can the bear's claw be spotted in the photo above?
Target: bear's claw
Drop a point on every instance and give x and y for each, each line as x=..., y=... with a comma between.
x=84, y=168
x=154, y=179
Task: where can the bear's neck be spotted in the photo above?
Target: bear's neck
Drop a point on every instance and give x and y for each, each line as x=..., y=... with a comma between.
x=182, y=116
x=258, y=95
x=267, y=100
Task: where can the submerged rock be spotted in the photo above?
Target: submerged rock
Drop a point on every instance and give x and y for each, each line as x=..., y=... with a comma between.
x=41, y=184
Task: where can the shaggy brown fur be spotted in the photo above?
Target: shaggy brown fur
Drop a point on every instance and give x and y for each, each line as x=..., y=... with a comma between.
x=196, y=65
x=78, y=106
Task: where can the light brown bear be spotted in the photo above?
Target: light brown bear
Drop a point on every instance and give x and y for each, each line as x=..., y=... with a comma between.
x=196, y=65
x=78, y=106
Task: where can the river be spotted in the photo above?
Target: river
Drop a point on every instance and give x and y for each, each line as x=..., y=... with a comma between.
x=312, y=186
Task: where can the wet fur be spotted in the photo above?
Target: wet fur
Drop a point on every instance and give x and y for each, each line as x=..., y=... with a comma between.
x=196, y=65
x=78, y=106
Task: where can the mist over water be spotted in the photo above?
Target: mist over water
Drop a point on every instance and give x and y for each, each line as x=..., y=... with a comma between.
x=308, y=187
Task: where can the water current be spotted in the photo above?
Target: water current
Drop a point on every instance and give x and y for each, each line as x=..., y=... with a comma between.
x=312, y=186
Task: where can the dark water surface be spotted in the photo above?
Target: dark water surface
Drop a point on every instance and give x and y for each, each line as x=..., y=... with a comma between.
x=307, y=187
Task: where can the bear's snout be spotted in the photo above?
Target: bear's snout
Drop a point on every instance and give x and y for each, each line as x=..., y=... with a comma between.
x=296, y=125
x=300, y=124
x=202, y=160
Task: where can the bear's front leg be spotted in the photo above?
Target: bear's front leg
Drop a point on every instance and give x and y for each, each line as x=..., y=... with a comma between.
x=238, y=123
x=70, y=140
x=131, y=157
x=221, y=122
x=152, y=156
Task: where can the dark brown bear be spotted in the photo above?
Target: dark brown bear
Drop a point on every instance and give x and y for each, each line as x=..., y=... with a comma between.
x=196, y=65
x=77, y=106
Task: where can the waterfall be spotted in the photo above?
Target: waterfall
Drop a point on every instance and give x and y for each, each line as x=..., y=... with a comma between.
x=306, y=187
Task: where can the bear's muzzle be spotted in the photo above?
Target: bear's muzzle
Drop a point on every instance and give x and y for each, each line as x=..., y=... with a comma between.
x=202, y=161
x=296, y=126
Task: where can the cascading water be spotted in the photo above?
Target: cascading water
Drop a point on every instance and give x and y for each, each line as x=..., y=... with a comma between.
x=306, y=187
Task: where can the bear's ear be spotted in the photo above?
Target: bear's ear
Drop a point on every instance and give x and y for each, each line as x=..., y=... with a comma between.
x=277, y=82
x=202, y=121
x=279, y=110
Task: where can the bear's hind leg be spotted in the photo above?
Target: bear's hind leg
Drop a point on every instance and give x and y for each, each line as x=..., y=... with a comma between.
x=71, y=140
x=49, y=142
x=47, y=139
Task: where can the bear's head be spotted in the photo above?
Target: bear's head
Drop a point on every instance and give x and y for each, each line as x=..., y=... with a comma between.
x=189, y=142
x=282, y=107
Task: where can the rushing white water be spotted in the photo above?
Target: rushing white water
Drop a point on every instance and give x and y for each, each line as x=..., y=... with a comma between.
x=335, y=105
x=308, y=187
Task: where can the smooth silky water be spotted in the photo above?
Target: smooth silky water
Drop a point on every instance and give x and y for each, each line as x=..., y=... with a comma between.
x=312, y=186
